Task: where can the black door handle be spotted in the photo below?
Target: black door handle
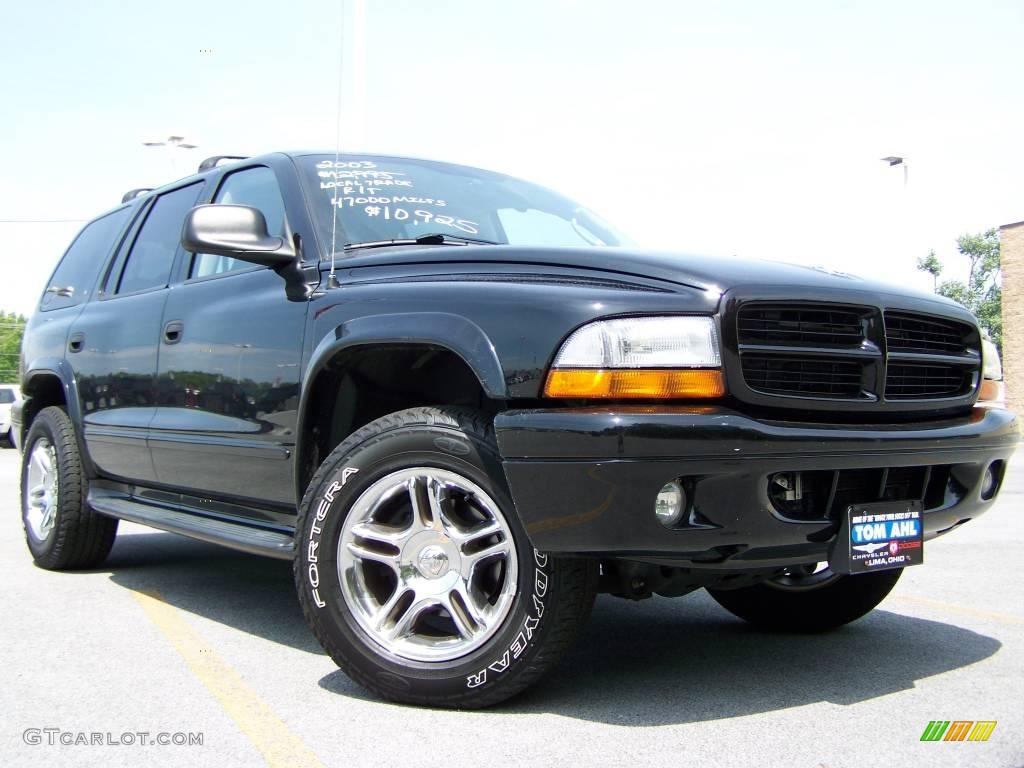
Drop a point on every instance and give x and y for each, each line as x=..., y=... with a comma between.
x=173, y=331
x=77, y=342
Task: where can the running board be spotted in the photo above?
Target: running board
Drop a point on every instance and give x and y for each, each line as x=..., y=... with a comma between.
x=257, y=541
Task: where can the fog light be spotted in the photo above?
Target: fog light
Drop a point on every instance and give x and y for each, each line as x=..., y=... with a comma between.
x=990, y=482
x=668, y=507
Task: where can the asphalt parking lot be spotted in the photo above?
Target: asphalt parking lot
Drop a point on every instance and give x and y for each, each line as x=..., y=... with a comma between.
x=177, y=637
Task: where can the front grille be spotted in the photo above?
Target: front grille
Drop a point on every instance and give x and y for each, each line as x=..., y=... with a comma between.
x=928, y=335
x=828, y=326
x=825, y=494
x=803, y=378
x=919, y=381
x=866, y=356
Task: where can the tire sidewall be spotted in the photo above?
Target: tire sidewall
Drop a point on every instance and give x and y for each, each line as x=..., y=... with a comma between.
x=42, y=427
x=326, y=507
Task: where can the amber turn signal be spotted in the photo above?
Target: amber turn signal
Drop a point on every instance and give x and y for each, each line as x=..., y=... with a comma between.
x=990, y=390
x=653, y=383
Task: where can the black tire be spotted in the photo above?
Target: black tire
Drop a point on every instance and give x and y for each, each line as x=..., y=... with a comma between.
x=552, y=597
x=833, y=603
x=79, y=537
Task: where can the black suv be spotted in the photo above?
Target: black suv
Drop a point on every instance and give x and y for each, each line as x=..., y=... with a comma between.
x=462, y=406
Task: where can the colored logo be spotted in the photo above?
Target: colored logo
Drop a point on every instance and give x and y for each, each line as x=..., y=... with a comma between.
x=885, y=531
x=958, y=730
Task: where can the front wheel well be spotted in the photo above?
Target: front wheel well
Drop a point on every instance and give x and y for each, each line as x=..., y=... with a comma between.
x=362, y=384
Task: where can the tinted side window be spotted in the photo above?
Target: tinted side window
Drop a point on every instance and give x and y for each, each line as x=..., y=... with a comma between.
x=152, y=255
x=258, y=188
x=76, y=273
x=6, y=396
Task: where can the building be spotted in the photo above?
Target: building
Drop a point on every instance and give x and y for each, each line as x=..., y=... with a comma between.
x=1011, y=254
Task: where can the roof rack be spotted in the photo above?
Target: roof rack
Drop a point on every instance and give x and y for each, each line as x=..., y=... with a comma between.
x=211, y=162
x=131, y=194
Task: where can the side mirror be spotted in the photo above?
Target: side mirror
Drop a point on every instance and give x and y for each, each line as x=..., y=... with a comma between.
x=238, y=231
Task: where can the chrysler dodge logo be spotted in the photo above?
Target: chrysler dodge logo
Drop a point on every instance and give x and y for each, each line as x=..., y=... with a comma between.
x=432, y=562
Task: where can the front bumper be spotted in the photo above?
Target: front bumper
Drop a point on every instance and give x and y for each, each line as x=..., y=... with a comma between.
x=584, y=481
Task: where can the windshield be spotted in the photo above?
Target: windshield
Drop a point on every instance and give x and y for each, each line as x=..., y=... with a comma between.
x=383, y=198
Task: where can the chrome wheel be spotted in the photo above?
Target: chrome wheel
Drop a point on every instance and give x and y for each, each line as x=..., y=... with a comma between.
x=41, y=495
x=427, y=564
x=800, y=578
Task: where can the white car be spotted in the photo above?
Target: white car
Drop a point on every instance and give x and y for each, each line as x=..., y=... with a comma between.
x=9, y=395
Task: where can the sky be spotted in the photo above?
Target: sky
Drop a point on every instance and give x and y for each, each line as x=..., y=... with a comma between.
x=729, y=128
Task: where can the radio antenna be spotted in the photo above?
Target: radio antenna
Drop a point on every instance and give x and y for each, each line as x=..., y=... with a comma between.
x=332, y=278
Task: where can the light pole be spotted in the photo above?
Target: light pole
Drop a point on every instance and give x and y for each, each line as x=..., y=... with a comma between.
x=893, y=160
x=906, y=224
x=172, y=143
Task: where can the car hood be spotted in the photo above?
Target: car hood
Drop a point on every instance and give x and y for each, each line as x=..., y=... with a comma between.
x=705, y=273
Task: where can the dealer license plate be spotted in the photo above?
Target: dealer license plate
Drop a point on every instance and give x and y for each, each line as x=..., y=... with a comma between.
x=877, y=537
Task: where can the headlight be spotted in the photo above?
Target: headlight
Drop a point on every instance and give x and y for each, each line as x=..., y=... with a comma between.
x=991, y=366
x=639, y=357
x=991, y=372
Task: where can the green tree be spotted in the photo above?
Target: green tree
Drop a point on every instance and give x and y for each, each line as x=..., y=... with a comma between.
x=932, y=266
x=12, y=328
x=982, y=291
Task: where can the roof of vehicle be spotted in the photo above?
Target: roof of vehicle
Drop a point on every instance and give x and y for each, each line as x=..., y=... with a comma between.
x=137, y=195
x=238, y=161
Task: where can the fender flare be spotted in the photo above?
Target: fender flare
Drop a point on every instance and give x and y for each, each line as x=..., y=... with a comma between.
x=62, y=370
x=447, y=331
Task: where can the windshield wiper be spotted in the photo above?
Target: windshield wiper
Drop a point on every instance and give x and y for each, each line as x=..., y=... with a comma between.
x=433, y=238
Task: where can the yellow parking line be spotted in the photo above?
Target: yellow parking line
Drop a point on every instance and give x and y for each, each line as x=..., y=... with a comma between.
x=1006, y=618
x=279, y=746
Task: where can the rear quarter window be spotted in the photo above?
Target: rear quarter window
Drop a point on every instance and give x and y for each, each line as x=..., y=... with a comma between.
x=77, y=271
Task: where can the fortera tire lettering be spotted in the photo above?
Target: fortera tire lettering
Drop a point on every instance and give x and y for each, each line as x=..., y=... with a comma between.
x=313, y=543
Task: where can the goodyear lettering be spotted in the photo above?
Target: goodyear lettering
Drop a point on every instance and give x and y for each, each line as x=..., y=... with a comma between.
x=538, y=606
x=501, y=664
x=518, y=645
x=541, y=583
x=522, y=640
